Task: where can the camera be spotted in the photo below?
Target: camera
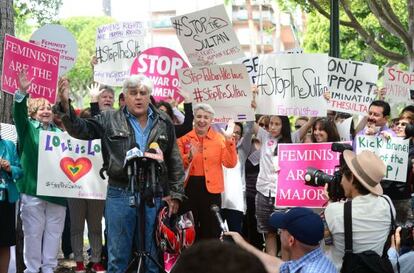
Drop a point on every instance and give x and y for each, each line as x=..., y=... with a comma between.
x=406, y=235
x=317, y=178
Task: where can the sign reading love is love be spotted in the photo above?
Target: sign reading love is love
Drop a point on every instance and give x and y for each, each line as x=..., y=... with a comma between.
x=69, y=167
x=160, y=64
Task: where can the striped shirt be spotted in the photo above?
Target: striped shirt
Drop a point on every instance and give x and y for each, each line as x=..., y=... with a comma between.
x=313, y=262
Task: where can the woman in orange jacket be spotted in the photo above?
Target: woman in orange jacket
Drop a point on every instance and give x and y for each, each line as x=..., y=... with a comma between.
x=204, y=152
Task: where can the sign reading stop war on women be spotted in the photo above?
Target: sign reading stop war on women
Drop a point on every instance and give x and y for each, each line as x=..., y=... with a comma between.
x=351, y=85
x=393, y=151
x=293, y=159
x=225, y=87
x=69, y=167
x=207, y=36
x=160, y=64
x=42, y=65
x=399, y=85
x=292, y=84
x=117, y=45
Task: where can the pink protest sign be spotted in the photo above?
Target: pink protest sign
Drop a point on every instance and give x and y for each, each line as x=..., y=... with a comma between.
x=293, y=161
x=41, y=63
x=160, y=64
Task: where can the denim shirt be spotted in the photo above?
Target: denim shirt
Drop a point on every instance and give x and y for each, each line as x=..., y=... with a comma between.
x=141, y=134
x=313, y=262
x=8, y=152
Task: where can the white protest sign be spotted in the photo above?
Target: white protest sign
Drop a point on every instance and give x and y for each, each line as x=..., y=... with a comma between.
x=292, y=84
x=117, y=45
x=251, y=66
x=69, y=167
x=58, y=38
x=399, y=85
x=225, y=87
x=207, y=36
x=352, y=85
x=8, y=131
x=393, y=151
x=344, y=129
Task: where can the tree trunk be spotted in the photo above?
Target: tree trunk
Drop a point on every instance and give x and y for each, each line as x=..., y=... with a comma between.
x=6, y=26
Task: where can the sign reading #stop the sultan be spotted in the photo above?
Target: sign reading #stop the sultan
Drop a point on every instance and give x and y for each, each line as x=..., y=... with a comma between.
x=160, y=64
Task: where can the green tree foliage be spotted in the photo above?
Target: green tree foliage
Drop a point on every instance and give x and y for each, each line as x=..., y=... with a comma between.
x=378, y=31
x=84, y=31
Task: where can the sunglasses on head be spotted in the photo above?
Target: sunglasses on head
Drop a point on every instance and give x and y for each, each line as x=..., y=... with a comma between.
x=263, y=125
x=297, y=127
x=401, y=123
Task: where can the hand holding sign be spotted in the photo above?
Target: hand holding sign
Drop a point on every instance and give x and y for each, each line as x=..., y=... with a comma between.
x=63, y=92
x=24, y=83
x=94, y=91
x=228, y=133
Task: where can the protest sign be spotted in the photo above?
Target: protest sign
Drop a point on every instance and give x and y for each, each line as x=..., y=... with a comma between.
x=69, y=167
x=352, y=85
x=160, y=64
x=344, y=129
x=8, y=131
x=292, y=84
x=42, y=66
x=293, y=159
x=399, y=85
x=207, y=36
x=251, y=66
x=393, y=151
x=117, y=46
x=58, y=38
x=225, y=87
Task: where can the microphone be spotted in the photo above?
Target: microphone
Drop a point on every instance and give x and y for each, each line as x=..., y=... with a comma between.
x=132, y=154
x=216, y=210
x=154, y=152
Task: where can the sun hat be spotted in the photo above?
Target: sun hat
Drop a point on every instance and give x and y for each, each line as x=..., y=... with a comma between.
x=368, y=168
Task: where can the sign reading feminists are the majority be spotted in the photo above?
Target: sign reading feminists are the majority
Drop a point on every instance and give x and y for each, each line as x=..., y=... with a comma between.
x=207, y=36
x=42, y=66
x=117, y=45
x=293, y=159
x=225, y=87
x=292, y=84
x=352, y=85
x=69, y=167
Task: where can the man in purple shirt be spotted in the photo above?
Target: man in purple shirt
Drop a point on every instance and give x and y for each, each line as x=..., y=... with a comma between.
x=376, y=121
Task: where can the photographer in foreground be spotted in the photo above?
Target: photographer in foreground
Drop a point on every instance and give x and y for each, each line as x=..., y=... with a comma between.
x=371, y=212
x=406, y=261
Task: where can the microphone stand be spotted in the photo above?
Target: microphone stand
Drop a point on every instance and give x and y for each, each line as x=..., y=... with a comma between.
x=143, y=177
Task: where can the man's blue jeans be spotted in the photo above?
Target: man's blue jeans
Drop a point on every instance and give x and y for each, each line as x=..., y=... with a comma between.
x=123, y=226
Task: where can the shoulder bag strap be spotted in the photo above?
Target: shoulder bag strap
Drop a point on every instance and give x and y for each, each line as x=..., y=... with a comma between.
x=348, y=226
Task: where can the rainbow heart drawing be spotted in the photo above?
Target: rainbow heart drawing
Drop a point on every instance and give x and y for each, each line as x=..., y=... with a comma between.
x=75, y=169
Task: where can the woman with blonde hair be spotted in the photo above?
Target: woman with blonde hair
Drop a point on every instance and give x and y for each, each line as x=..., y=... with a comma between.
x=42, y=216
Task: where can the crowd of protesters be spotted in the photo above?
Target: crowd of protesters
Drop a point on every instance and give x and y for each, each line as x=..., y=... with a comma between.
x=233, y=166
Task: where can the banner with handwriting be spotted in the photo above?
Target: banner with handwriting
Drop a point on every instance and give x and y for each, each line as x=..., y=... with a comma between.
x=393, y=151
x=225, y=87
x=207, y=36
x=292, y=84
x=117, y=45
x=399, y=85
x=69, y=167
x=352, y=85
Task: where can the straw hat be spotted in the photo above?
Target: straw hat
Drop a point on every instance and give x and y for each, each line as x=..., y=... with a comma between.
x=368, y=168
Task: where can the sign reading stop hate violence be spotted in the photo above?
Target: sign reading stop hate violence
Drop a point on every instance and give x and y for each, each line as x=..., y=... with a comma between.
x=42, y=65
x=160, y=64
